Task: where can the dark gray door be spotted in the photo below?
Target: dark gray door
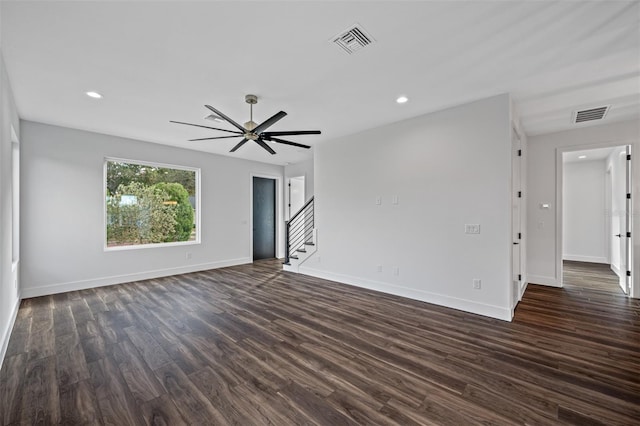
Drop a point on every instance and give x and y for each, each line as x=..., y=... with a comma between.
x=264, y=218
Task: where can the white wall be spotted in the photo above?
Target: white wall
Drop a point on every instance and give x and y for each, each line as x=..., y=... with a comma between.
x=584, y=212
x=62, y=211
x=543, y=229
x=448, y=169
x=9, y=294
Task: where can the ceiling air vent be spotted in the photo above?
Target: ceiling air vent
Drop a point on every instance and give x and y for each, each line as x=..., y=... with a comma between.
x=353, y=39
x=591, y=114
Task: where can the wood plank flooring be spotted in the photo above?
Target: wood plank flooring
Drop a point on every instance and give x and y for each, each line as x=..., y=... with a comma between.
x=253, y=345
x=593, y=276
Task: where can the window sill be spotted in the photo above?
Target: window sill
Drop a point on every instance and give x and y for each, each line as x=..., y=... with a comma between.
x=148, y=246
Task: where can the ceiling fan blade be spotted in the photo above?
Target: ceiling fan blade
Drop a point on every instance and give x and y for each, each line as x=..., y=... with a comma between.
x=215, y=137
x=207, y=127
x=262, y=143
x=269, y=122
x=242, y=142
x=278, y=140
x=221, y=115
x=292, y=132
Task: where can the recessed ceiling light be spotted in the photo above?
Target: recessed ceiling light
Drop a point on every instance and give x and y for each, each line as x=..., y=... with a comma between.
x=402, y=99
x=94, y=95
x=213, y=117
x=582, y=157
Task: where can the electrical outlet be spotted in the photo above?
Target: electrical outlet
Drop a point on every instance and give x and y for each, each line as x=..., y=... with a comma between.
x=396, y=270
x=188, y=255
x=394, y=200
x=477, y=283
x=379, y=268
x=378, y=200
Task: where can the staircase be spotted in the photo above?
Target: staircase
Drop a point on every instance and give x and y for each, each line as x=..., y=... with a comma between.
x=300, y=237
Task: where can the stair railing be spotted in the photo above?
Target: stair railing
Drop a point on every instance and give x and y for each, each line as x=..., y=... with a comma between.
x=299, y=231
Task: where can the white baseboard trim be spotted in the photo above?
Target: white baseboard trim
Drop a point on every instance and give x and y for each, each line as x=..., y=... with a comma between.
x=523, y=288
x=289, y=268
x=120, y=279
x=543, y=280
x=520, y=292
x=615, y=269
x=580, y=258
x=492, y=311
x=6, y=333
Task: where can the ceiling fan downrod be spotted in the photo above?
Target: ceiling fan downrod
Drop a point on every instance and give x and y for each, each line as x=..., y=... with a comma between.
x=250, y=125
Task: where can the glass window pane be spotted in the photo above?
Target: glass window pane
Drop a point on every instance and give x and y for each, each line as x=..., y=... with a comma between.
x=150, y=204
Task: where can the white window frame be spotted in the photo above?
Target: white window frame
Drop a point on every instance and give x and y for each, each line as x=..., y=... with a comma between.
x=150, y=164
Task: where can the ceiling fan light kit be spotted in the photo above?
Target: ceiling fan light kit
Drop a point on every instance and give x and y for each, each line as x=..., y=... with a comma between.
x=252, y=131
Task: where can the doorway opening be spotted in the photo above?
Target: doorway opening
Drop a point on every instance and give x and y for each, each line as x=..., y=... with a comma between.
x=596, y=219
x=264, y=218
x=296, y=195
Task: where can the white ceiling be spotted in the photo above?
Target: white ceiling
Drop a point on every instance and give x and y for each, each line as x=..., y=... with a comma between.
x=161, y=61
x=597, y=154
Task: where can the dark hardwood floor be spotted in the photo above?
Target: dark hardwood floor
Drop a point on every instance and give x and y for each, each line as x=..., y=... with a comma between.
x=253, y=345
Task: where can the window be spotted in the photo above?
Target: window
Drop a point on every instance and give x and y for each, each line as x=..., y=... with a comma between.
x=150, y=204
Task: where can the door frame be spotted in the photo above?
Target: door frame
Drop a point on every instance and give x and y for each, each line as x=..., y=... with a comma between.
x=279, y=213
x=517, y=285
x=634, y=291
x=628, y=251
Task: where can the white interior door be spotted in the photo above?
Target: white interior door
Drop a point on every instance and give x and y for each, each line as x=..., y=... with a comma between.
x=516, y=198
x=296, y=194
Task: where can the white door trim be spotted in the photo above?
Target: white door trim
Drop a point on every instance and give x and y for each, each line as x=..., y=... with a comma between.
x=516, y=220
x=559, y=198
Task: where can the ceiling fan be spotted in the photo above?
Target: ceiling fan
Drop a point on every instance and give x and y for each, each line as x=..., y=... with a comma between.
x=252, y=131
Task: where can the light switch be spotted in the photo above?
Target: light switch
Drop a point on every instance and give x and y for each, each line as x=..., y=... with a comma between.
x=394, y=200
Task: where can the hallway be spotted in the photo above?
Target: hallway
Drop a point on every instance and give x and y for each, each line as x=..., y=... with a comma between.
x=592, y=276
